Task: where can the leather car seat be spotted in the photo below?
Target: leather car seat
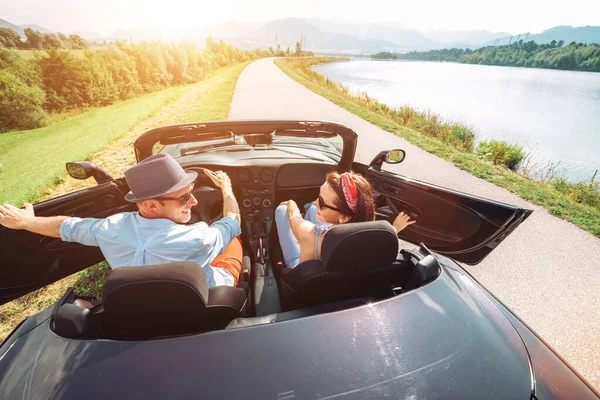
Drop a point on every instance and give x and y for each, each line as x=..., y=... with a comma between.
x=357, y=259
x=166, y=299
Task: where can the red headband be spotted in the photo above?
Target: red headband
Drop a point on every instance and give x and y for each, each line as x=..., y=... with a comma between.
x=349, y=189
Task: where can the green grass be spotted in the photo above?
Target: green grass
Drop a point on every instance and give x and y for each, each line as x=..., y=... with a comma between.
x=33, y=159
x=574, y=202
x=209, y=100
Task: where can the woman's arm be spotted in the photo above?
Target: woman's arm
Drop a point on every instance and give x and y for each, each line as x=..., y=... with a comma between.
x=301, y=228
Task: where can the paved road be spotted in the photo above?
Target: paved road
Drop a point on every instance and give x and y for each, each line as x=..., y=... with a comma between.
x=547, y=271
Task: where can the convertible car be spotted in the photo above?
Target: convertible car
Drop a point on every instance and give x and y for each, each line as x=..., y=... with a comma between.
x=370, y=319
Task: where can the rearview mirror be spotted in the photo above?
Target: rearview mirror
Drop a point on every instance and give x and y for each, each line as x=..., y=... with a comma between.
x=84, y=170
x=395, y=156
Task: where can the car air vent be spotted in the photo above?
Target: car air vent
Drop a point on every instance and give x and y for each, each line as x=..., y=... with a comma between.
x=266, y=175
x=245, y=175
x=374, y=183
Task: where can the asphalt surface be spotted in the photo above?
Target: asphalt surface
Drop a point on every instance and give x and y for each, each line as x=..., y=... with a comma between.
x=547, y=271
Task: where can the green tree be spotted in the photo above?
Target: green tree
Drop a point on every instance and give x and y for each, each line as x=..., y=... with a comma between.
x=21, y=99
x=123, y=70
x=35, y=39
x=298, y=51
x=77, y=42
x=52, y=41
x=63, y=80
x=9, y=38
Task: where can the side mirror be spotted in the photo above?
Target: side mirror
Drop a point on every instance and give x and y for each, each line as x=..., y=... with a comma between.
x=84, y=170
x=395, y=156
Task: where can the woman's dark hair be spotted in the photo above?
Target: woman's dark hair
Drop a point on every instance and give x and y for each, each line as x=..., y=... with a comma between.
x=365, y=207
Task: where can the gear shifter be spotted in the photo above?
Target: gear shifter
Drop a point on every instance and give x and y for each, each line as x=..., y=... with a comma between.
x=260, y=251
x=258, y=225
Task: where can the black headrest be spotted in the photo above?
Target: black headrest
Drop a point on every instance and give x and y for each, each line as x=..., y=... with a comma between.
x=359, y=246
x=165, y=292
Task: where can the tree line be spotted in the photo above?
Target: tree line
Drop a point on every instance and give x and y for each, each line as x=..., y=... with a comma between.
x=553, y=55
x=10, y=39
x=57, y=80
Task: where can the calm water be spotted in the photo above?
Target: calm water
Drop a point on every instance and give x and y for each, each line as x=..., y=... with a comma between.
x=553, y=114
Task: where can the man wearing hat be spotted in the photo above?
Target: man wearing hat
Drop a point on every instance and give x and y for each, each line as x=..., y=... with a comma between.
x=154, y=234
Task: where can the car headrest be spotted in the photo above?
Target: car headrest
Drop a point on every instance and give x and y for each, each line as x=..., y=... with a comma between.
x=359, y=246
x=165, y=292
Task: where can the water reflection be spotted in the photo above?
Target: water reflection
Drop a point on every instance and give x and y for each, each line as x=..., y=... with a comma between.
x=553, y=114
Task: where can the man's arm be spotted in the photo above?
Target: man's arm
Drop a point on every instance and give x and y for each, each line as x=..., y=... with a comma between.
x=230, y=205
x=16, y=218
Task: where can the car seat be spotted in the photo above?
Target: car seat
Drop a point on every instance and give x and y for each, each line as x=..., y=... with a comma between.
x=167, y=299
x=357, y=260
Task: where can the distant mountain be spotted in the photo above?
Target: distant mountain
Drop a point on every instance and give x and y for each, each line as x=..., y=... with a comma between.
x=288, y=31
x=227, y=30
x=474, y=38
x=584, y=34
x=138, y=33
x=402, y=37
x=6, y=24
x=89, y=36
x=334, y=35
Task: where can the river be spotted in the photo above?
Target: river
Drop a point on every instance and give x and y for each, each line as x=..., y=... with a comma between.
x=554, y=115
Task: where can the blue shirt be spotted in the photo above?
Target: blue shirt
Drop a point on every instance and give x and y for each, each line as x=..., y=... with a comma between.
x=128, y=239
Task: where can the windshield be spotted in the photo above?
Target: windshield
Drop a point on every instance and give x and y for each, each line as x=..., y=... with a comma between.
x=292, y=145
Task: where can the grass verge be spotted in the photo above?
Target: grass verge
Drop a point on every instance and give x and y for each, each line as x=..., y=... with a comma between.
x=575, y=202
x=207, y=100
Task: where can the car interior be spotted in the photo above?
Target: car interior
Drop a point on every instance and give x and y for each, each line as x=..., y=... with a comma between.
x=360, y=263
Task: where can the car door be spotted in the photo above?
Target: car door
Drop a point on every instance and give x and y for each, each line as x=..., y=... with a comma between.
x=30, y=261
x=457, y=225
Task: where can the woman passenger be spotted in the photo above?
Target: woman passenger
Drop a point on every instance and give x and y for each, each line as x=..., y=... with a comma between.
x=343, y=198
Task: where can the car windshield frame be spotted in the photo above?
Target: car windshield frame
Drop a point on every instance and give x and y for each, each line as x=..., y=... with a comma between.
x=270, y=131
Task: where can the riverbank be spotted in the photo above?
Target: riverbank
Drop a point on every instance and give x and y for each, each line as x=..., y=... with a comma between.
x=578, y=203
x=554, y=55
x=208, y=100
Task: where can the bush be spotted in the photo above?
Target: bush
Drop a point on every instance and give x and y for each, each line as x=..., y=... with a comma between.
x=20, y=105
x=123, y=70
x=583, y=193
x=462, y=137
x=64, y=79
x=501, y=153
x=21, y=100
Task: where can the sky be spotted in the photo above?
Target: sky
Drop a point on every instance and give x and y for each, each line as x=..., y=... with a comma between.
x=107, y=16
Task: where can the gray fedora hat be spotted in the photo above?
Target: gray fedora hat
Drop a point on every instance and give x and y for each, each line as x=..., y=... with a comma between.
x=156, y=176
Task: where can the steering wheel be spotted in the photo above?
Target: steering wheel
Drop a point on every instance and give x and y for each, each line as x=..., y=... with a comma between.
x=210, y=199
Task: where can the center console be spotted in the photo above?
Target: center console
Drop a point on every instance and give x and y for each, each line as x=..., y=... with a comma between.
x=257, y=213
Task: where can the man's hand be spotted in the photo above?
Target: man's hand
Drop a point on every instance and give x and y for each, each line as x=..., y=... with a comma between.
x=219, y=178
x=401, y=222
x=230, y=205
x=15, y=218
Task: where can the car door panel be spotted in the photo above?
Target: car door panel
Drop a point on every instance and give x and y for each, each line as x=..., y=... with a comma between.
x=30, y=261
x=455, y=224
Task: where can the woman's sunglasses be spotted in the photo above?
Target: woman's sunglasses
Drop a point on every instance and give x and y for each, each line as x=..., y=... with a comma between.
x=323, y=205
x=184, y=199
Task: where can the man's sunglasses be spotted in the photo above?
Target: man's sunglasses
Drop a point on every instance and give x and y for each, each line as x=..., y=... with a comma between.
x=184, y=199
x=322, y=205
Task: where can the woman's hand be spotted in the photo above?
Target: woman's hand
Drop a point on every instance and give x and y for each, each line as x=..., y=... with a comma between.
x=293, y=210
x=401, y=222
